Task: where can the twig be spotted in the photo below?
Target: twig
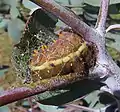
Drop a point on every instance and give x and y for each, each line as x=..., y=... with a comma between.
x=81, y=107
x=116, y=26
x=101, y=22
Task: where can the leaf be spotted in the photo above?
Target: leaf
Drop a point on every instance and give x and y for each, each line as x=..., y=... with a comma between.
x=78, y=11
x=50, y=108
x=90, y=17
x=69, y=93
x=14, y=12
x=92, y=2
x=12, y=3
x=5, y=48
x=4, y=23
x=2, y=72
x=25, y=104
x=60, y=24
x=4, y=8
x=77, y=2
x=15, y=28
x=65, y=2
x=39, y=31
x=114, y=53
x=4, y=109
x=115, y=16
x=91, y=9
x=116, y=43
x=30, y=5
x=3, y=69
x=97, y=2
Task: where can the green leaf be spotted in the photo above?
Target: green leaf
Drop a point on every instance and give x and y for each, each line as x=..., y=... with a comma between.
x=25, y=104
x=93, y=100
x=4, y=23
x=14, y=12
x=60, y=24
x=115, y=16
x=2, y=72
x=90, y=17
x=114, y=53
x=4, y=8
x=30, y=5
x=116, y=43
x=12, y=3
x=50, y=108
x=15, y=28
x=78, y=11
x=4, y=109
x=65, y=2
x=77, y=2
x=97, y=2
x=39, y=30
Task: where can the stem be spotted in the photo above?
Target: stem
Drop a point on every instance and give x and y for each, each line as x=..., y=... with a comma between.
x=80, y=108
x=101, y=21
x=116, y=26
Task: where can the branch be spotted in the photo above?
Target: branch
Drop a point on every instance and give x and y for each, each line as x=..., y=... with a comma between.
x=44, y=85
x=101, y=21
x=75, y=108
x=116, y=26
x=65, y=15
x=105, y=69
x=78, y=107
x=13, y=95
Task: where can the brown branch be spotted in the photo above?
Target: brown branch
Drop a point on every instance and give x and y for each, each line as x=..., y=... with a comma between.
x=65, y=15
x=13, y=95
x=101, y=21
x=44, y=85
